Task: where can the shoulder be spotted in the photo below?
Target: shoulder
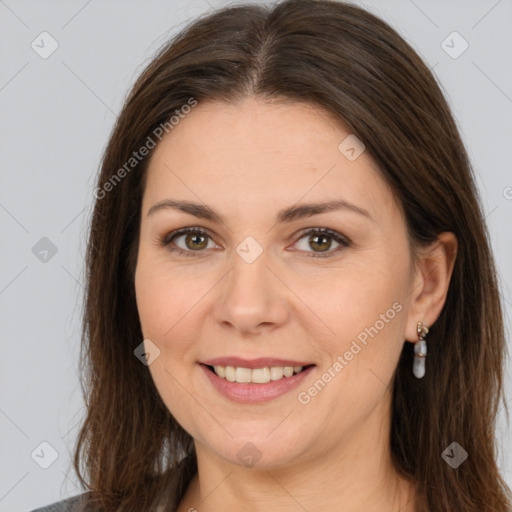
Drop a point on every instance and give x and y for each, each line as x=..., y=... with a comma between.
x=73, y=504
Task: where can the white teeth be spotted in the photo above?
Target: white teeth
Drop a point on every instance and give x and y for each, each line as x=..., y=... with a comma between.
x=220, y=371
x=260, y=375
x=276, y=372
x=288, y=371
x=230, y=373
x=256, y=375
x=243, y=374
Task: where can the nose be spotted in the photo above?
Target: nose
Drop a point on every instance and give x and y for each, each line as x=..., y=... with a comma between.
x=252, y=298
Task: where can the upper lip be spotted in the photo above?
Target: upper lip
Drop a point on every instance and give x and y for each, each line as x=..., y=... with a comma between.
x=261, y=362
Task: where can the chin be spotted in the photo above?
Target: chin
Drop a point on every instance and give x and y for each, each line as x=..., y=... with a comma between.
x=261, y=454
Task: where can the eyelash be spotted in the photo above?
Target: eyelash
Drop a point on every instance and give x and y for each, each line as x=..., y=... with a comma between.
x=343, y=241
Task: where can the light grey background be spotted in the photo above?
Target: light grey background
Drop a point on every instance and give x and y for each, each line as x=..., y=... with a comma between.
x=56, y=116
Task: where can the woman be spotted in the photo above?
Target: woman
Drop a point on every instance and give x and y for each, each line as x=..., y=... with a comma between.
x=291, y=299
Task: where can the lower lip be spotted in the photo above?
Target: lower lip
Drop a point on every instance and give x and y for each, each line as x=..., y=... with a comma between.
x=250, y=393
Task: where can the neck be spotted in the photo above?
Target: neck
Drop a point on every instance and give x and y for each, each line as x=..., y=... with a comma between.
x=355, y=475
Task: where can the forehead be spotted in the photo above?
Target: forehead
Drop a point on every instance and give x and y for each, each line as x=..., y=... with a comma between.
x=256, y=152
x=254, y=127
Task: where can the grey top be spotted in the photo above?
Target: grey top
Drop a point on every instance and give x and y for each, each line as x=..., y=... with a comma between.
x=72, y=504
x=76, y=504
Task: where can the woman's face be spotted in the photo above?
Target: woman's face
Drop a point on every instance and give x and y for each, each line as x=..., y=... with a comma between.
x=256, y=285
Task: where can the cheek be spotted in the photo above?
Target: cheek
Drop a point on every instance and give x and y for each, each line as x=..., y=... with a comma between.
x=358, y=295
x=365, y=311
x=163, y=298
x=151, y=300
x=162, y=306
x=367, y=315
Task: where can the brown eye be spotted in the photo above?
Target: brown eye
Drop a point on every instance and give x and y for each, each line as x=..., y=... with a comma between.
x=196, y=241
x=320, y=242
x=187, y=241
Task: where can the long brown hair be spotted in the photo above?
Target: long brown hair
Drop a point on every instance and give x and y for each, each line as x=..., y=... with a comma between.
x=352, y=64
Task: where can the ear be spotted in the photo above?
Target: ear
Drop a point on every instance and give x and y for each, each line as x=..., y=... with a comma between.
x=430, y=283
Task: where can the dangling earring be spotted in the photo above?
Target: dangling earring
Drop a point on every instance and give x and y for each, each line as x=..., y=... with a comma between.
x=420, y=351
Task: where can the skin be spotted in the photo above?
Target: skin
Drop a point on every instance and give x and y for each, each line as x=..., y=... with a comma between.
x=246, y=162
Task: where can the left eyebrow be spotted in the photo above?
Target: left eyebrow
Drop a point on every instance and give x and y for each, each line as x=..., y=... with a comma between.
x=308, y=210
x=286, y=215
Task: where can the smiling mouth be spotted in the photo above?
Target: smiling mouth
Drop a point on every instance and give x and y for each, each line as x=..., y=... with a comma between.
x=262, y=375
